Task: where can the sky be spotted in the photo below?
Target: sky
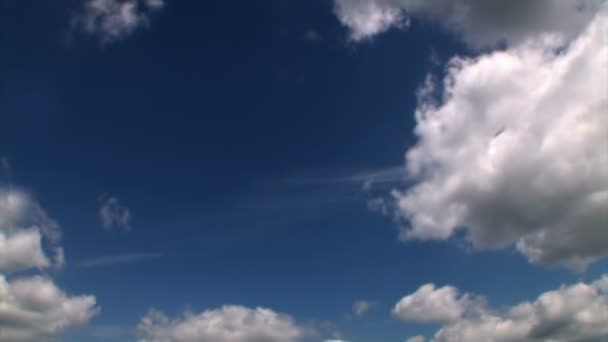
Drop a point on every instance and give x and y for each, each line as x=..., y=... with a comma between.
x=303, y=171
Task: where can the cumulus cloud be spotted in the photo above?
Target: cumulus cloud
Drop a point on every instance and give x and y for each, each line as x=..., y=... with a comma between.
x=479, y=23
x=18, y=210
x=366, y=18
x=24, y=225
x=515, y=152
x=113, y=214
x=570, y=313
x=112, y=20
x=226, y=324
x=21, y=251
x=433, y=305
x=34, y=309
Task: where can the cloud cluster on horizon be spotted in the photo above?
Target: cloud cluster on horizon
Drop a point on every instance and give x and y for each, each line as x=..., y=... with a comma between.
x=229, y=323
x=576, y=312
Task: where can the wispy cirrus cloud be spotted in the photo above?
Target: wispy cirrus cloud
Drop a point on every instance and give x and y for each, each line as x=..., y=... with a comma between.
x=362, y=179
x=363, y=307
x=312, y=36
x=119, y=259
x=4, y=164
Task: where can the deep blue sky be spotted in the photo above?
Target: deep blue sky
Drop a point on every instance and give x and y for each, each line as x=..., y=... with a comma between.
x=228, y=135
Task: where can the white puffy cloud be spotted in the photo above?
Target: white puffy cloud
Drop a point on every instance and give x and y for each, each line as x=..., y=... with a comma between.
x=574, y=313
x=19, y=210
x=21, y=251
x=113, y=214
x=226, y=324
x=516, y=153
x=23, y=227
x=366, y=18
x=480, y=23
x=112, y=20
x=34, y=309
x=433, y=305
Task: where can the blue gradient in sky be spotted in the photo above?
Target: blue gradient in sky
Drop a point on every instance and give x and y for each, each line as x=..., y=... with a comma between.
x=229, y=135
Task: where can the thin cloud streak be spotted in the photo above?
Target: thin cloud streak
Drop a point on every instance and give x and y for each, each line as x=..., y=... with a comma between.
x=120, y=259
x=389, y=176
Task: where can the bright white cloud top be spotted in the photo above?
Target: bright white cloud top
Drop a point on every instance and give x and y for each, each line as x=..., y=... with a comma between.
x=577, y=312
x=365, y=19
x=478, y=23
x=112, y=20
x=33, y=308
x=516, y=151
x=23, y=227
x=226, y=324
x=432, y=305
x=21, y=251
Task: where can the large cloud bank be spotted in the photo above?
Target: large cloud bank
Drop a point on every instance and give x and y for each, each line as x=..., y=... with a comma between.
x=515, y=151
